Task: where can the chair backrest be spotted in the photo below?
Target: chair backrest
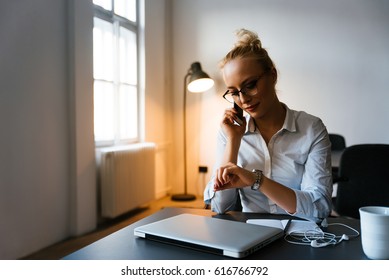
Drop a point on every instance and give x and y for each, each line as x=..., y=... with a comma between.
x=363, y=180
x=338, y=142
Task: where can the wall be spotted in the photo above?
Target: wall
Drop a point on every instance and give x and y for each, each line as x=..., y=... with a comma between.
x=47, y=162
x=331, y=55
x=46, y=166
x=82, y=176
x=157, y=88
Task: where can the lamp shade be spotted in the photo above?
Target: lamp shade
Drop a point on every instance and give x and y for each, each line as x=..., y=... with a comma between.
x=199, y=80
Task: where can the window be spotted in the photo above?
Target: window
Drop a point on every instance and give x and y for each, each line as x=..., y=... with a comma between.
x=115, y=71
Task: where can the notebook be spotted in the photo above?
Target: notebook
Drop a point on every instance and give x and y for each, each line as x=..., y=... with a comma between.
x=212, y=235
x=295, y=227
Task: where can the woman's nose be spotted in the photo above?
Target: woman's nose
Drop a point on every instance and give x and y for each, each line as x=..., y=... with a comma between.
x=244, y=97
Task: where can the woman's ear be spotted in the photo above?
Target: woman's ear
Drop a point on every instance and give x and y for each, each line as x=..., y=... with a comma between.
x=274, y=74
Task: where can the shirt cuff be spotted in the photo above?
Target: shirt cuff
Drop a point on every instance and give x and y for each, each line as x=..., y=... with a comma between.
x=209, y=193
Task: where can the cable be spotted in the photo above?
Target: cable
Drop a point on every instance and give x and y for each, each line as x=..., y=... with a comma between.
x=319, y=238
x=351, y=228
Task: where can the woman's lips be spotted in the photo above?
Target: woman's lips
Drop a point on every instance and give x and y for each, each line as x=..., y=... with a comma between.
x=251, y=108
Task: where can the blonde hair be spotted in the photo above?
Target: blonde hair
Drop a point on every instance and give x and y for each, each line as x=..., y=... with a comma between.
x=249, y=45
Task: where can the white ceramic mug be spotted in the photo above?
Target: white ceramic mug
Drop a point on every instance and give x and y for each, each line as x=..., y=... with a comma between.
x=375, y=231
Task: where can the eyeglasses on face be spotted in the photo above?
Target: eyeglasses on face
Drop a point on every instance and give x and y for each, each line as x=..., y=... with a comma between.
x=249, y=89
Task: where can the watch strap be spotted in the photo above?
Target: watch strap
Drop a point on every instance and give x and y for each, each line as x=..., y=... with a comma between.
x=258, y=179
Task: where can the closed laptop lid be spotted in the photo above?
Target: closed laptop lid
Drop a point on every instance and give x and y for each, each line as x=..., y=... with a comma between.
x=228, y=238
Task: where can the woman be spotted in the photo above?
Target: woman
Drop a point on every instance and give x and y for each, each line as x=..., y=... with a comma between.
x=276, y=159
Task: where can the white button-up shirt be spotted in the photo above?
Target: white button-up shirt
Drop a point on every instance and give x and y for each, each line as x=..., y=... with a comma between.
x=297, y=156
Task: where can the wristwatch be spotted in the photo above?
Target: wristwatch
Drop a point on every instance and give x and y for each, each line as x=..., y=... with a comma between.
x=258, y=179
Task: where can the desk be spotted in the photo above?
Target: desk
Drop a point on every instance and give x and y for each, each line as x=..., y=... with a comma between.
x=123, y=245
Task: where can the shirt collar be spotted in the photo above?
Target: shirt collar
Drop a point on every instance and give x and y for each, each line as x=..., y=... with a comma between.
x=289, y=122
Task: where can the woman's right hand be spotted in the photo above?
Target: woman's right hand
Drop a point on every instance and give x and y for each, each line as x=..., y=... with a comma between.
x=232, y=176
x=232, y=125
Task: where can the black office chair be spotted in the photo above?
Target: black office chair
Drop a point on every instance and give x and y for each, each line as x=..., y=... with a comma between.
x=363, y=181
x=338, y=144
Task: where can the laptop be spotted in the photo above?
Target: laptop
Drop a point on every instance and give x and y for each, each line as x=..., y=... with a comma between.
x=212, y=235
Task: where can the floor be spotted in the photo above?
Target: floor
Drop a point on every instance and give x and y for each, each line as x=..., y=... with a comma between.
x=59, y=250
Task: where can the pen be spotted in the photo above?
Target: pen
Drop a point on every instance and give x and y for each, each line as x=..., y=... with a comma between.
x=287, y=226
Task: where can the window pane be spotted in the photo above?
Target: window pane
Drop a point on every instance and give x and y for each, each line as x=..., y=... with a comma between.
x=103, y=50
x=128, y=57
x=126, y=8
x=104, y=111
x=106, y=4
x=115, y=72
x=128, y=112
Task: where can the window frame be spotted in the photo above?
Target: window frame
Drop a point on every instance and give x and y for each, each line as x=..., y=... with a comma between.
x=118, y=22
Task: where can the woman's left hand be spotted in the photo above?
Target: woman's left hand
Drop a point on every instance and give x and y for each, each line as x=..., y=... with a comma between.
x=232, y=176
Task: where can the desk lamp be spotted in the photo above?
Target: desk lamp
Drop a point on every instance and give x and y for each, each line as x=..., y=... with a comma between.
x=199, y=81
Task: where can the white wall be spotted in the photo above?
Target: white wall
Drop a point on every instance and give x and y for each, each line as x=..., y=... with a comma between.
x=158, y=95
x=82, y=185
x=47, y=162
x=332, y=58
x=47, y=174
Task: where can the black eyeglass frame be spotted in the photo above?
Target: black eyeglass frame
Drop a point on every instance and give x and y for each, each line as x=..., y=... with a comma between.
x=243, y=90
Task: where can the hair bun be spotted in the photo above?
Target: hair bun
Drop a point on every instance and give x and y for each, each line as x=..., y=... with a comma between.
x=248, y=45
x=247, y=38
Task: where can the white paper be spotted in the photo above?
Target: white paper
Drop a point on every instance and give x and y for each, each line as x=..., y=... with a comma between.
x=295, y=227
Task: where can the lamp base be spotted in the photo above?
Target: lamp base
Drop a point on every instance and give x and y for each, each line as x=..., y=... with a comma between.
x=183, y=197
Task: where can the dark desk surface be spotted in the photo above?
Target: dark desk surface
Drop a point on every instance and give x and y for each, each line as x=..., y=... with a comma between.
x=123, y=245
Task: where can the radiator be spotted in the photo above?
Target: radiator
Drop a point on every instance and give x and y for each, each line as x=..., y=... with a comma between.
x=127, y=178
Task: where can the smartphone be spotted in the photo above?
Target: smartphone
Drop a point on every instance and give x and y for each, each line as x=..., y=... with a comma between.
x=239, y=110
x=240, y=113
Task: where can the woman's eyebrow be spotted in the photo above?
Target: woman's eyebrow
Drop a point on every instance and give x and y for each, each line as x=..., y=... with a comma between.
x=245, y=82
